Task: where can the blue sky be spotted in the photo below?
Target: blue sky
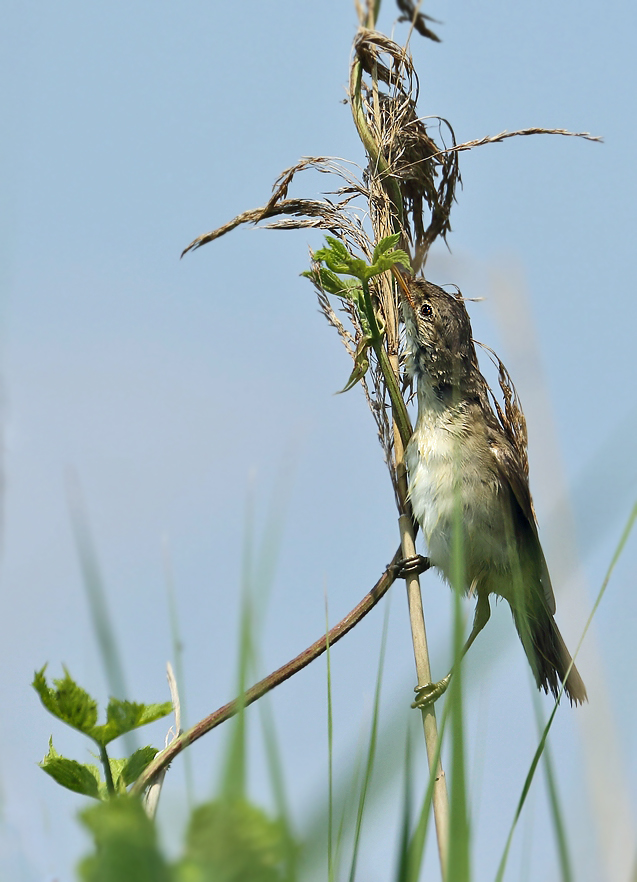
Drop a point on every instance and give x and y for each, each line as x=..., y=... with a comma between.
x=178, y=390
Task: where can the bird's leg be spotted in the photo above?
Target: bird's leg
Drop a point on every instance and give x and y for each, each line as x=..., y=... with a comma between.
x=409, y=566
x=430, y=692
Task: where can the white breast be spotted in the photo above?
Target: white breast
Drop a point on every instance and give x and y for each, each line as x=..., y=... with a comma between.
x=434, y=457
x=445, y=474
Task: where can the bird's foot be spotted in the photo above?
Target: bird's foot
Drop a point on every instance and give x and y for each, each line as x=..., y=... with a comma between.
x=430, y=692
x=410, y=566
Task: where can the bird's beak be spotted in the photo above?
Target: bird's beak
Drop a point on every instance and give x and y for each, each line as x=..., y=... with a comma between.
x=403, y=277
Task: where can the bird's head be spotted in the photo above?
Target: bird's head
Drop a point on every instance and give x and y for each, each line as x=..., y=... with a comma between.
x=439, y=333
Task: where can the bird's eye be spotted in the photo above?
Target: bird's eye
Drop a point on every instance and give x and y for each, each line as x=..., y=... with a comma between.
x=425, y=310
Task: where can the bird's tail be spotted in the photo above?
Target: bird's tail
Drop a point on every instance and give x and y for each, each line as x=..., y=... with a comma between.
x=547, y=654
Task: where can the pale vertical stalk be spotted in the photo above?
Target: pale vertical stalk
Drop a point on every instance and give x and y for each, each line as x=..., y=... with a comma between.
x=150, y=799
x=440, y=799
x=387, y=213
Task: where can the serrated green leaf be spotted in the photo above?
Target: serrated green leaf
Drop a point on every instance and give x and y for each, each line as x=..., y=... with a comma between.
x=337, y=247
x=339, y=259
x=333, y=284
x=67, y=701
x=358, y=268
x=322, y=254
x=385, y=245
x=125, y=844
x=137, y=762
x=74, y=776
x=125, y=771
x=334, y=252
x=117, y=766
x=72, y=704
x=338, y=265
x=386, y=261
x=124, y=716
x=334, y=263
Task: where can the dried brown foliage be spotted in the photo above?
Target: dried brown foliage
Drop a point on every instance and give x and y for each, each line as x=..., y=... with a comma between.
x=408, y=186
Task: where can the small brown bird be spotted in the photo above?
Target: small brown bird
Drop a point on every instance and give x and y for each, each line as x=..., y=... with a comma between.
x=467, y=466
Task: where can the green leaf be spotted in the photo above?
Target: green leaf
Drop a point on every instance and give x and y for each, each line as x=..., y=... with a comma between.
x=67, y=701
x=340, y=262
x=387, y=261
x=332, y=284
x=123, y=716
x=125, y=844
x=361, y=365
x=337, y=248
x=74, y=776
x=339, y=259
x=338, y=266
x=70, y=703
x=357, y=267
x=117, y=767
x=351, y=267
x=125, y=771
x=233, y=841
x=336, y=255
x=137, y=762
x=385, y=245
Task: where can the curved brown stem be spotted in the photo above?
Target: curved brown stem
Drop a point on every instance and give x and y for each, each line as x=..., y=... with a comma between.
x=165, y=757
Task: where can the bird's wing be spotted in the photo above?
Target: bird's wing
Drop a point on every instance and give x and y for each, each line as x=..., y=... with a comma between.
x=513, y=475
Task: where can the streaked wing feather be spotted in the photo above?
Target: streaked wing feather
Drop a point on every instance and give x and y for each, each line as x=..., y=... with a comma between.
x=512, y=473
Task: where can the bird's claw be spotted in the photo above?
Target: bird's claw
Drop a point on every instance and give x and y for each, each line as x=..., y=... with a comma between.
x=410, y=566
x=429, y=693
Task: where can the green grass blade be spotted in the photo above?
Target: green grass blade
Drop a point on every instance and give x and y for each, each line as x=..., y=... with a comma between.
x=94, y=588
x=458, y=869
x=458, y=866
x=346, y=809
x=391, y=732
x=410, y=865
x=557, y=815
x=524, y=794
x=538, y=753
x=273, y=754
x=96, y=598
x=402, y=868
x=419, y=836
x=371, y=753
x=234, y=771
x=177, y=652
x=256, y=582
x=277, y=779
